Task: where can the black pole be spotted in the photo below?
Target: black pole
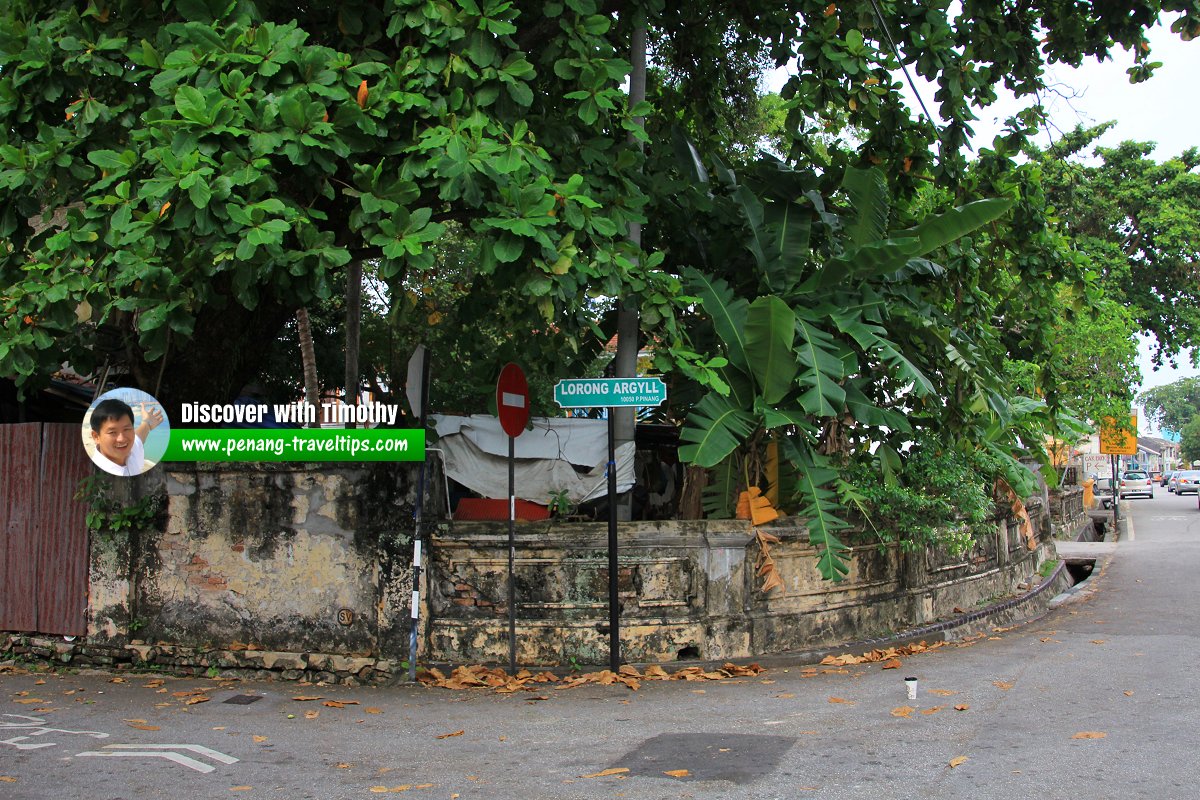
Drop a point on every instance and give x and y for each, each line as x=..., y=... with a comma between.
x=614, y=611
x=1116, y=487
x=512, y=556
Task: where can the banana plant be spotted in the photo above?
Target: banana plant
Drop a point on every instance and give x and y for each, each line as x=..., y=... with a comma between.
x=806, y=339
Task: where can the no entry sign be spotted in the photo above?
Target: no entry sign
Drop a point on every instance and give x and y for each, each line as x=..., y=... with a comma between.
x=512, y=400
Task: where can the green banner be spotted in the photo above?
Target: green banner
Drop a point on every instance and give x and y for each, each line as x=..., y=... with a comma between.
x=300, y=444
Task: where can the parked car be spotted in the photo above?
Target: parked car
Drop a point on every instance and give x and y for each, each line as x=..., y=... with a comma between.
x=1165, y=479
x=1187, y=481
x=1102, y=488
x=1136, y=483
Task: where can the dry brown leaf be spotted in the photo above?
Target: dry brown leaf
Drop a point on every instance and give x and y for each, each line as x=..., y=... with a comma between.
x=154, y=684
x=393, y=790
x=1099, y=641
x=943, y=692
x=656, y=673
x=933, y=710
x=260, y=739
x=116, y=680
x=343, y=765
x=449, y=735
x=958, y=761
x=607, y=772
x=312, y=714
x=841, y=700
x=373, y=710
x=894, y=663
x=1129, y=694
x=143, y=727
x=28, y=701
x=1089, y=735
x=306, y=698
x=39, y=682
x=333, y=704
x=1005, y=685
x=785, y=696
x=191, y=701
x=903, y=711
x=7, y=779
x=962, y=707
x=677, y=773
x=240, y=788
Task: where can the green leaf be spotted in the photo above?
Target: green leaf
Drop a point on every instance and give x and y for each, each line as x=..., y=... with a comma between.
x=868, y=193
x=191, y=105
x=956, y=223
x=823, y=370
x=769, y=332
x=714, y=429
x=727, y=311
x=814, y=473
x=508, y=248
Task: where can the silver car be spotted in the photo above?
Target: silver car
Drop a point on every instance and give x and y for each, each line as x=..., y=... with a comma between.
x=1137, y=482
x=1187, y=481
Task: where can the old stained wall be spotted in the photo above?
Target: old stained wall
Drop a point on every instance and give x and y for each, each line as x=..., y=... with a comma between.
x=291, y=558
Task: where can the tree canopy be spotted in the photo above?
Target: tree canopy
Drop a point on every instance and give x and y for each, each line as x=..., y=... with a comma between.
x=1173, y=406
x=177, y=178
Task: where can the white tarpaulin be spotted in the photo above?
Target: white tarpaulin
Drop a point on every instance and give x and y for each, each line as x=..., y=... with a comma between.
x=547, y=454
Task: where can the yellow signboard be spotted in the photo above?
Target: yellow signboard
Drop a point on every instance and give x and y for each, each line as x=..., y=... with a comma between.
x=1116, y=441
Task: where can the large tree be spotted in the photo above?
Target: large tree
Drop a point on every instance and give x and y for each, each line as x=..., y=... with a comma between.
x=1136, y=219
x=1174, y=406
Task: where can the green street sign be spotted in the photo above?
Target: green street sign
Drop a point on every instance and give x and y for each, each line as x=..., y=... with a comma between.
x=609, y=392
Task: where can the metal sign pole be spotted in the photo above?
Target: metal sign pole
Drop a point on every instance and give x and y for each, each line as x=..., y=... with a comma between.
x=512, y=557
x=614, y=611
x=1116, y=487
x=415, y=611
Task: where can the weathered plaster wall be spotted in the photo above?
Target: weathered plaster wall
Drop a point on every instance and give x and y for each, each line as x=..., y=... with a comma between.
x=688, y=590
x=286, y=558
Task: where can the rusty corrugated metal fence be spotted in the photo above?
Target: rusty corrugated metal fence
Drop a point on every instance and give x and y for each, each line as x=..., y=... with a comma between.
x=43, y=535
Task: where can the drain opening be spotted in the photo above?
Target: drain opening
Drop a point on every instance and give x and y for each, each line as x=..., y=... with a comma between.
x=1081, y=570
x=244, y=699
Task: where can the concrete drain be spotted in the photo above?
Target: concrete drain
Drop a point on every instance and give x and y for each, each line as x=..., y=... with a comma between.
x=735, y=757
x=244, y=699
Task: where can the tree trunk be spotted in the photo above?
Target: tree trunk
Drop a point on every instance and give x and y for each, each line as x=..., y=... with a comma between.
x=353, y=322
x=308, y=359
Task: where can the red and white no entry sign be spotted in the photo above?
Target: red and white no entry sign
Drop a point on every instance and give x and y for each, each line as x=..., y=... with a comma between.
x=512, y=400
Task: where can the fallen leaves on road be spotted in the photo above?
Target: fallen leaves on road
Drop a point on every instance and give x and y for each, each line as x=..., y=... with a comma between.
x=373, y=710
x=893, y=663
x=312, y=714
x=27, y=701
x=240, y=788
x=841, y=700
x=191, y=701
x=886, y=655
x=963, y=707
x=903, y=711
x=499, y=681
x=677, y=773
x=140, y=724
x=1129, y=694
x=1089, y=735
x=607, y=772
x=1004, y=685
x=260, y=739
x=1099, y=641
x=402, y=788
x=932, y=710
x=7, y=779
x=943, y=692
x=958, y=761
x=306, y=698
x=339, y=703
x=450, y=735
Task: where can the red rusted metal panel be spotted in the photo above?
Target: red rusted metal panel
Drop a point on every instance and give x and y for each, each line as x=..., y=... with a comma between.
x=62, y=564
x=20, y=457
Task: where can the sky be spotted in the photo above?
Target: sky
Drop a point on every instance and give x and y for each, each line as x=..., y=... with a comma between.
x=1163, y=110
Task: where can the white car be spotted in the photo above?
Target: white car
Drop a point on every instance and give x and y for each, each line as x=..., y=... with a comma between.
x=1136, y=483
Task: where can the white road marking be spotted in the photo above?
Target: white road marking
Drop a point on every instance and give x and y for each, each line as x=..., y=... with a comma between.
x=163, y=751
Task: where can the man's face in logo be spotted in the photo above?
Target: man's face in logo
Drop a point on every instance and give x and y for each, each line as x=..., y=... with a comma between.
x=114, y=440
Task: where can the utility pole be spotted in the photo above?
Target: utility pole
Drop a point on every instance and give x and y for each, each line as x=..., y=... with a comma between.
x=628, y=327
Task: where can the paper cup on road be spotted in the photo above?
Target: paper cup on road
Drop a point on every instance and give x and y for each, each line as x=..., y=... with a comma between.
x=911, y=683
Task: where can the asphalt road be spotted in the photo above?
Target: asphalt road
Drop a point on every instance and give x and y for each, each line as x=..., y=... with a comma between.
x=1098, y=699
